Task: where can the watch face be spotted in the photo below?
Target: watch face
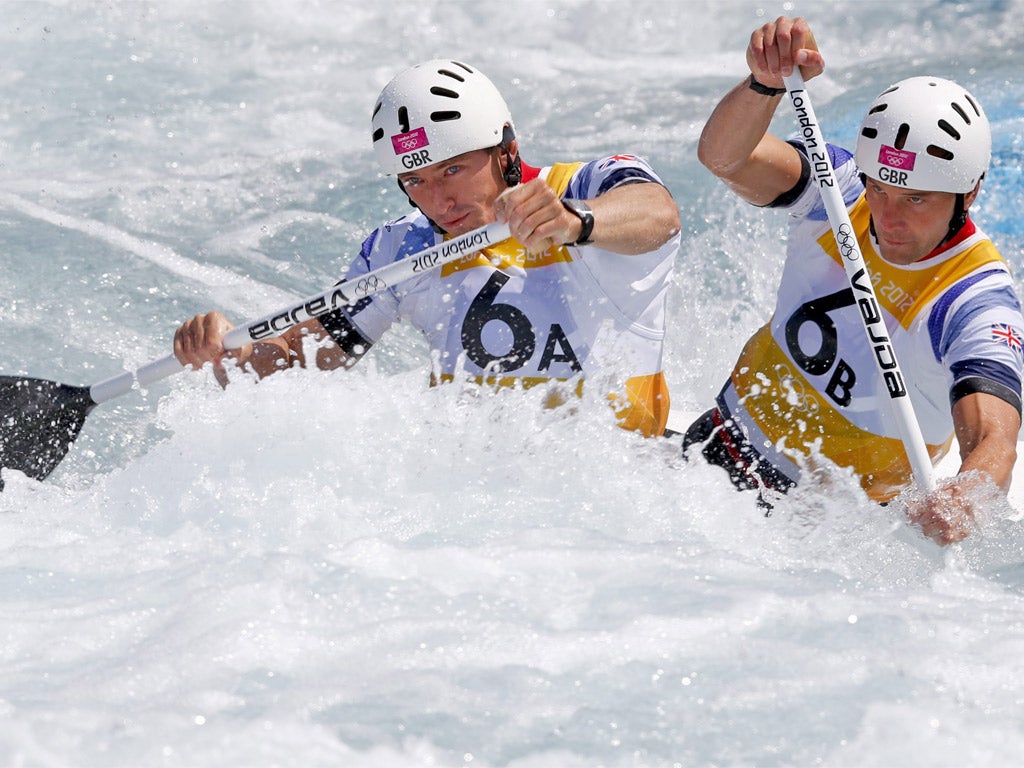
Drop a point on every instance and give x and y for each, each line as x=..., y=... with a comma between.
x=580, y=208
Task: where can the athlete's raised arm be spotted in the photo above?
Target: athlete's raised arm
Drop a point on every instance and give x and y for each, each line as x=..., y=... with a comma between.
x=735, y=144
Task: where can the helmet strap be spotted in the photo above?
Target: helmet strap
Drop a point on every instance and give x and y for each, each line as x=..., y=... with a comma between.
x=959, y=218
x=513, y=165
x=514, y=170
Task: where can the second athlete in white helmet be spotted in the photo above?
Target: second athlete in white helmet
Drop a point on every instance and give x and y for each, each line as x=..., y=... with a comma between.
x=805, y=393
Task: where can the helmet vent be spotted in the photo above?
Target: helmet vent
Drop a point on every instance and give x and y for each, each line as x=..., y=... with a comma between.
x=960, y=111
x=950, y=129
x=878, y=108
x=869, y=133
x=977, y=109
x=939, y=152
x=445, y=116
x=901, y=136
x=445, y=92
x=453, y=75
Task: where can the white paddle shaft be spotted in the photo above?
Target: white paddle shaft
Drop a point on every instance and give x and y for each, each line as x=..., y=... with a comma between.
x=340, y=295
x=860, y=282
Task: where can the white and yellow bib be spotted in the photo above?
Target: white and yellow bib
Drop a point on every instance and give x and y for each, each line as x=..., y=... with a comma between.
x=508, y=316
x=810, y=379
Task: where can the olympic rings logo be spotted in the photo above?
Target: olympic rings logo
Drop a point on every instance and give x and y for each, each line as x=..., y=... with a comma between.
x=847, y=243
x=410, y=140
x=794, y=392
x=370, y=284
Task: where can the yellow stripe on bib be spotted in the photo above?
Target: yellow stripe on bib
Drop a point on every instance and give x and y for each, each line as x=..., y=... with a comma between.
x=781, y=401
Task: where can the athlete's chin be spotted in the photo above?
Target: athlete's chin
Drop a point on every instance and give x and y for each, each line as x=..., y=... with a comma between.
x=897, y=253
x=463, y=225
x=457, y=226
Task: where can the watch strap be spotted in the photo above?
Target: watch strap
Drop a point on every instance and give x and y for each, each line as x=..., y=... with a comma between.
x=582, y=211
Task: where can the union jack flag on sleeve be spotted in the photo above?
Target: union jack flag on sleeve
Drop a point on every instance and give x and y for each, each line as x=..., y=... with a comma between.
x=1006, y=334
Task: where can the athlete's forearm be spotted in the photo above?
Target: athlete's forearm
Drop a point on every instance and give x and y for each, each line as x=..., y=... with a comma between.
x=987, y=429
x=635, y=218
x=736, y=147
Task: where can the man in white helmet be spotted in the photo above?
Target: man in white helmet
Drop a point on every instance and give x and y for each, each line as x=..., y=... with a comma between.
x=577, y=293
x=806, y=384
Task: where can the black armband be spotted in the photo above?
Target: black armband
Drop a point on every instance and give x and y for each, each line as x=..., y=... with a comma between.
x=345, y=335
x=764, y=90
x=974, y=384
x=789, y=197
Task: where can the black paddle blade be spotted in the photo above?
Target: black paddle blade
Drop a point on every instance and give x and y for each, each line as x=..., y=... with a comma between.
x=39, y=420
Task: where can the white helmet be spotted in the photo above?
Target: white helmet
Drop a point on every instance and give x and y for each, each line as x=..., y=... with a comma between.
x=435, y=111
x=925, y=133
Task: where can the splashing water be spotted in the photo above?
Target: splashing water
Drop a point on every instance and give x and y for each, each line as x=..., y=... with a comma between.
x=355, y=569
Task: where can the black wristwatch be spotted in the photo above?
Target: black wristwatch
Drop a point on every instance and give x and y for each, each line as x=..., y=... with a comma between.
x=582, y=210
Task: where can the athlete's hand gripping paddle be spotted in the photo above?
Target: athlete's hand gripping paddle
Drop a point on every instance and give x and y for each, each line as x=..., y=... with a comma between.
x=39, y=419
x=860, y=282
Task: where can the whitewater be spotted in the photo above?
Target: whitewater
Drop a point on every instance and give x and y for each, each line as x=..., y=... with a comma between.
x=355, y=569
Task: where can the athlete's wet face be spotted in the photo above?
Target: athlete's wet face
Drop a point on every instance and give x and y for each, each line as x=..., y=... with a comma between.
x=459, y=193
x=909, y=223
